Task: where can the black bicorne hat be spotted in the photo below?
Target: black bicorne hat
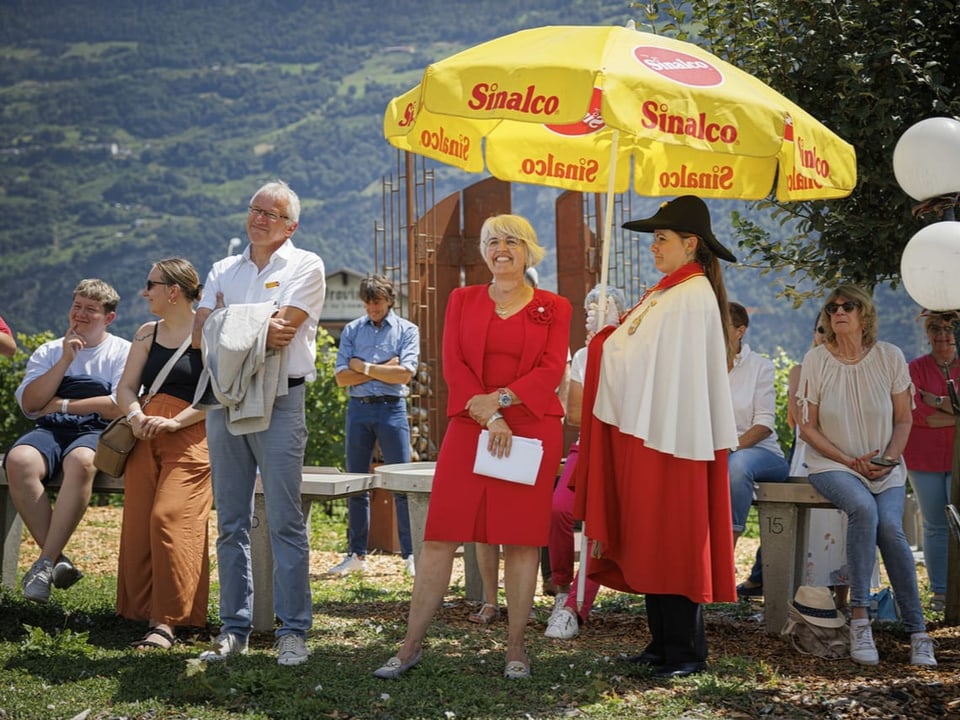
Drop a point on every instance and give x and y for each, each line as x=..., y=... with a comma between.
x=687, y=213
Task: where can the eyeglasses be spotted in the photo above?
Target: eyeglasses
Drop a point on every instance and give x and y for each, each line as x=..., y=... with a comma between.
x=152, y=283
x=821, y=330
x=512, y=243
x=848, y=307
x=271, y=216
x=937, y=329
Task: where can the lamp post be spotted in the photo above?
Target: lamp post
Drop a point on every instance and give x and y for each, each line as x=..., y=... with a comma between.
x=926, y=163
x=234, y=243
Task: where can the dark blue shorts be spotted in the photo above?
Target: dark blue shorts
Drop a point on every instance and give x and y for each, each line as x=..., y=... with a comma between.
x=55, y=445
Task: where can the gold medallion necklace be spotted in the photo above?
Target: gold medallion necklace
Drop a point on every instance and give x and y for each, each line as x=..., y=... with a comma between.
x=639, y=319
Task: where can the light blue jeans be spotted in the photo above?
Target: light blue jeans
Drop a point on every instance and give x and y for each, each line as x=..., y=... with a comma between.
x=368, y=424
x=875, y=521
x=746, y=467
x=234, y=459
x=933, y=493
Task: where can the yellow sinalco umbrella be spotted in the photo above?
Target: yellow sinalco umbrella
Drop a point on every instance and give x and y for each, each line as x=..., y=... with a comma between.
x=581, y=108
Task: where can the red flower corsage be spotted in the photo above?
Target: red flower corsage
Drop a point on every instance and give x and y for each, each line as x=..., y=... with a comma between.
x=541, y=310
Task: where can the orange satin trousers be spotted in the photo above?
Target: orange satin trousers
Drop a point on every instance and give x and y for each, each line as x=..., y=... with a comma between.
x=164, y=563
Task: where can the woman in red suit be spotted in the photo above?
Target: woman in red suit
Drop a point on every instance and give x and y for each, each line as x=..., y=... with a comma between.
x=504, y=353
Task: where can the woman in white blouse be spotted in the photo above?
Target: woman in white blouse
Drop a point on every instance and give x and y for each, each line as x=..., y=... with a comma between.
x=854, y=399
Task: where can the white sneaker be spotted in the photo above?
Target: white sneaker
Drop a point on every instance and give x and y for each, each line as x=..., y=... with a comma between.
x=558, y=602
x=37, y=581
x=410, y=565
x=862, y=648
x=563, y=625
x=65, y=574
x=292, y=650
x=921, y=650
x=350, y=564
x=226, y=645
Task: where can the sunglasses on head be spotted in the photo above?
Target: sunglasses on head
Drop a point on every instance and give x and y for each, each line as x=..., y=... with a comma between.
x=848, y=307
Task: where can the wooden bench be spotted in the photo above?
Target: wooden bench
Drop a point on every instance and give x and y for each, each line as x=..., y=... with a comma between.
x=784, y=513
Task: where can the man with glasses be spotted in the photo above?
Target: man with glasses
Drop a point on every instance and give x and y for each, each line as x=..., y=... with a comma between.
x=269, y=270
x=69, y=389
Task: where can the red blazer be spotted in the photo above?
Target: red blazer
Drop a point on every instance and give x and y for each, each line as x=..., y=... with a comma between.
x=542, y=361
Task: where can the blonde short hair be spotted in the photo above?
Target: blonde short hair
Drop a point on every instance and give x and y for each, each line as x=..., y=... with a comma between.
x=514, y=226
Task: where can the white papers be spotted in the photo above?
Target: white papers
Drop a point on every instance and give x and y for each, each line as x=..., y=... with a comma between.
x=521, y=466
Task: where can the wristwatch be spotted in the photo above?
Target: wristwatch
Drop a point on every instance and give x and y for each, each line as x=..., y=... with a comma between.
x=938, y=400
x=504, y=398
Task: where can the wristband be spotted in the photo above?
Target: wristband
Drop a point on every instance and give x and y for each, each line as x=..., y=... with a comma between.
x=64, y=405
x=366, y=368
x=495, y=416
x=133, y=413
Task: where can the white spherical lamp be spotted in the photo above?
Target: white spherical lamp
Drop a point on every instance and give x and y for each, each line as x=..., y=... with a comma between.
x=930, y=266
x=926, y=159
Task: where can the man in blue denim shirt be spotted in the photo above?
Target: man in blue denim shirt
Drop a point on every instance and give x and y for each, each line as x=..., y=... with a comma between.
x=378, y=356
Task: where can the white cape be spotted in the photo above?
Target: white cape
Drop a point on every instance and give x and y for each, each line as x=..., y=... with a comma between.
x=667, y=382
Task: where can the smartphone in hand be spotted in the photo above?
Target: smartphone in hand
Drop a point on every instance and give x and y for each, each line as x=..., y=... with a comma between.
x=879, y=460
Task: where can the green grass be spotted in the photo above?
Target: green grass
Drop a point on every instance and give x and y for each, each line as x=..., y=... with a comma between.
x=72, y=656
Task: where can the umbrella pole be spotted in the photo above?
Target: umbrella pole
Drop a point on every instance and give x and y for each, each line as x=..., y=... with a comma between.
x=605, y=239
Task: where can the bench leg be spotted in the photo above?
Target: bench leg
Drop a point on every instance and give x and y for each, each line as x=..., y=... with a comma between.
x=472, y=582
x=417, y=504
x=12, y=533
x=778, y=538
x=261, y=558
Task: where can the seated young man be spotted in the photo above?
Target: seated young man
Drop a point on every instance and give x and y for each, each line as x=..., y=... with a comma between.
x=68, y=389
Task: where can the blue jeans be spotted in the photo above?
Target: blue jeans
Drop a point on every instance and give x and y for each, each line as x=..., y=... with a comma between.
x=234, y=459
x=368, y=424
x=746, y=467
x=875, y=521
x=933, y=493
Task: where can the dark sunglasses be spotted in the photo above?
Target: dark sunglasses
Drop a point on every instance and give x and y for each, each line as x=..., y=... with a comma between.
x=848, y=307
x=152, y=283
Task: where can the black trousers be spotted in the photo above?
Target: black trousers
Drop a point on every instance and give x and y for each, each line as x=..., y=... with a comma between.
x=676, y=626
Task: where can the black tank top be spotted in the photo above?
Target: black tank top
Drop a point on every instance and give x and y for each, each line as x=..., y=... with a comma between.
x=183, y=378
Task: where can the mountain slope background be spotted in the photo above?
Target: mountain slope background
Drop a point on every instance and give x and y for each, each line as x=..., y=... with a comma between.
x=131, y=131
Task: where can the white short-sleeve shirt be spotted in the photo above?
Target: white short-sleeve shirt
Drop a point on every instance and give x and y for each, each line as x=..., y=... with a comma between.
x=293, y=277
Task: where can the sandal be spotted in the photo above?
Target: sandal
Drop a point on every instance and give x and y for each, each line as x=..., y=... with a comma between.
x=486, y=615
x=517, y=670
x=145, y=643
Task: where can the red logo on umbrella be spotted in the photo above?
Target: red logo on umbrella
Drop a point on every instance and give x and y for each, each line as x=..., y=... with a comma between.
x=678, y=66
x=592, y=122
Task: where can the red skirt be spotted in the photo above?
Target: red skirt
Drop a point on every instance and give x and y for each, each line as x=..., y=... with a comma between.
x=465, y=507
x=664, y=523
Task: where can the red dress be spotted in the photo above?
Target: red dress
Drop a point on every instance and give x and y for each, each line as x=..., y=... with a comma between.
x=526, y=352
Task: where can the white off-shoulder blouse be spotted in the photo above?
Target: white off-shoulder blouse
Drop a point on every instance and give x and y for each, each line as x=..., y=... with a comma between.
x=855, y=406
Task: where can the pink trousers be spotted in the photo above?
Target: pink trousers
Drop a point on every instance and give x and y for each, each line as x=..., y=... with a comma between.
x=562, y=540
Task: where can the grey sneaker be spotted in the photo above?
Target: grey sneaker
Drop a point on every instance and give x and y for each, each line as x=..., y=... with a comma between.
x=350, y=564
x=225, y=645
x=921, y=650
x=292, y=650
x=37, y=581
x=65, y=574
x=862, y=649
